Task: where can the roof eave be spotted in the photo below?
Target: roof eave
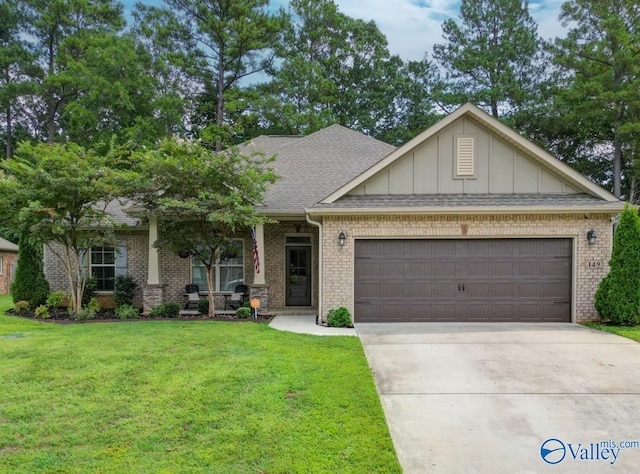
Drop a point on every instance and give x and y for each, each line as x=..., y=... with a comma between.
x=612, y=209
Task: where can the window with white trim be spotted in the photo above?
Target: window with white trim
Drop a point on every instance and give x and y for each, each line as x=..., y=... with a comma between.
x=1, y=265
x=104, y=263
x=227, y=273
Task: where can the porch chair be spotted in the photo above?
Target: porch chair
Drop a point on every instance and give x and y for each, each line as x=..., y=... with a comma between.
x=237, y=298
x=192, y=295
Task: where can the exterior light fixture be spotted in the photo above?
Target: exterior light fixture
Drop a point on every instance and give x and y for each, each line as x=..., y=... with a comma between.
x=341, y=238
x=591, y=237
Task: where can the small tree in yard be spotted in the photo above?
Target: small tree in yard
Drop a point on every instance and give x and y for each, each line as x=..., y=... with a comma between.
x=29, y=283
x=202, y=198
x=60, y=193
x=618, y=296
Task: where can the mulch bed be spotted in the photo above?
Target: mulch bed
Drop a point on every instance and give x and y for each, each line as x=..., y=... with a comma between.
x=107, y=315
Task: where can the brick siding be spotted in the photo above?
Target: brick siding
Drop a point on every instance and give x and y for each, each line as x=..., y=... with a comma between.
x=338, y=280
x=8, y=259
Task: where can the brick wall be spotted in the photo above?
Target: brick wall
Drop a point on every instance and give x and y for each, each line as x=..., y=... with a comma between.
x=338, y=281
x=8, y=259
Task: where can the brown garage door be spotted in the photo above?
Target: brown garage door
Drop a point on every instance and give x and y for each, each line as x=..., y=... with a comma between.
x=526, y=280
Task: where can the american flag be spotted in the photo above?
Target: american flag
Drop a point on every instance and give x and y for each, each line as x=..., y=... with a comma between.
x=254, y=244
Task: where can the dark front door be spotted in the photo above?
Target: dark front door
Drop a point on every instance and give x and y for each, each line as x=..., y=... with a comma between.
x=298, y=276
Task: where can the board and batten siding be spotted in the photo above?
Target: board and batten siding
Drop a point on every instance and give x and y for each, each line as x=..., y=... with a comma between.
x=499, y=168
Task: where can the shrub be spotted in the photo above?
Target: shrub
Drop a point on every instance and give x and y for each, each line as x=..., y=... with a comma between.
x=93, y=305
x=85, y=314
x=246, y=304
x=339, y=318
x=42, y=312
x=124, y=290
x=56, y=299
x=618, y=296
x=203, y=306
x=167, y=310
x=22, y=306
x=89, y=290
x=243, y=312
x=127, y=311
x=29, y=283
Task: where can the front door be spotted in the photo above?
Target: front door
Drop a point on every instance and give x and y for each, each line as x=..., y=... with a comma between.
x=298, y=276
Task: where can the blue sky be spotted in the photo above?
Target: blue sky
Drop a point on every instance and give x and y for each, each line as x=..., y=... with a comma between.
x=412, y=27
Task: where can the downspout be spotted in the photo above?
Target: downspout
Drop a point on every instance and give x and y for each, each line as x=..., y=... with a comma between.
x=319, y=226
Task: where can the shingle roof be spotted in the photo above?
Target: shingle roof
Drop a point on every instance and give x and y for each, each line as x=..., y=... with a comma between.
x=116, y=209
x=456, y=201
x=6, y=246
x=312, y=167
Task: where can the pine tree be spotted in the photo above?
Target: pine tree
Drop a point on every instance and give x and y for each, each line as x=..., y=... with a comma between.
x=618, y=296
x=29, y=283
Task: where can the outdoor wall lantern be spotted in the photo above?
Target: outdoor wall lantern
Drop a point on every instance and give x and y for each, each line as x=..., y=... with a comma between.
x=591, y=237
x=341, y=238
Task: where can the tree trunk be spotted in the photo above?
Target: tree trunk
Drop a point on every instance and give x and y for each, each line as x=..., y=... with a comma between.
x=212, y=309
x=9, y=131
x=51, y=106
x=220, y=105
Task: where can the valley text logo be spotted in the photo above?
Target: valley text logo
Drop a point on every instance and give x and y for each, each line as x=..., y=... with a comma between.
x=554, y=451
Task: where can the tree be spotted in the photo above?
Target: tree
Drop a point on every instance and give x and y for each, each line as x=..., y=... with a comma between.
x=602, y=78
x=618, y=296
x=17, y=67
x=30, y=283
x=220, y=199
x=60, y=194
x=492, y=58
x=219, y=43
x=334, y=69
x=62, y=31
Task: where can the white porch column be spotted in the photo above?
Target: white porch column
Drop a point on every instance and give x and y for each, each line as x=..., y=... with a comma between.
x=153, y=277
x=259, y=278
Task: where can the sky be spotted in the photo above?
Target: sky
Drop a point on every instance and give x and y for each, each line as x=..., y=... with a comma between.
x=412, y=27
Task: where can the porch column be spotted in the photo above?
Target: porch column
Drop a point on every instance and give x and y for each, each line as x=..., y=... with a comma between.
x=153, y=291
x=259, y=277
x=153, y=277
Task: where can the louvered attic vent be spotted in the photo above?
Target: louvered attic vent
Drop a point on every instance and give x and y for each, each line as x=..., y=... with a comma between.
x=465, y=151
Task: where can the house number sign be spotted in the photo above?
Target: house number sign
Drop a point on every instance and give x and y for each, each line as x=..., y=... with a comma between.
x=594, y=264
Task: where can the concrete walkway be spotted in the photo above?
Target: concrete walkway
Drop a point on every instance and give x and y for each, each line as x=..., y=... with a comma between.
x=486, y=398
x=307, y=325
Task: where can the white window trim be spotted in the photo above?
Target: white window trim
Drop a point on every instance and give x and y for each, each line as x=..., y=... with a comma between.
x=91, y=265
x=1, y=265
x=216, y=269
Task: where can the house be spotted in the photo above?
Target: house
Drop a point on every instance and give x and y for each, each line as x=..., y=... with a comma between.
x=469, y=221
x=8, y=262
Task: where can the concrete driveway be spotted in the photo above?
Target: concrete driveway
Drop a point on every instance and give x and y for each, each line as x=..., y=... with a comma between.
x=499, y=397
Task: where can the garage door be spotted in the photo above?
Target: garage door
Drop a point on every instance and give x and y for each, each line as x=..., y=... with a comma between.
x=526, y=280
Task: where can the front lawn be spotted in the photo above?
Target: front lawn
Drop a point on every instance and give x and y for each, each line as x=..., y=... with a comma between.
x=169, y=396
x=630, y=332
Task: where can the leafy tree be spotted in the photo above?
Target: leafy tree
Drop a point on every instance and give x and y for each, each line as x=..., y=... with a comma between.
x=602, y=78
x=492, y=57
x=618, y=296
x=62, y=31
x=220, y=200
x=218, y=43
x=17, y=67
x=334, y=69
x=29, y=283
x=61, y=194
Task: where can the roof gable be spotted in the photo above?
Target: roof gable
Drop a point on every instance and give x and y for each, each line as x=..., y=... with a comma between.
x=504, y=162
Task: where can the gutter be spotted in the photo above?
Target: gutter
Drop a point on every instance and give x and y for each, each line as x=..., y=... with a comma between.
x=614, y=208
x=319, y=226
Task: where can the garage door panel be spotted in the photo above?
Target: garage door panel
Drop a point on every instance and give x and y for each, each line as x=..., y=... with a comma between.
x=463, y=280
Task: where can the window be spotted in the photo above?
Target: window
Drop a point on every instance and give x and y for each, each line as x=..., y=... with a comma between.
x=227, y=273
x=1, y=266
x=104, y=263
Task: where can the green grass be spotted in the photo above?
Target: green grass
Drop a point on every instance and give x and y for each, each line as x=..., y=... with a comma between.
x=169, y=397
x=630, y=332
